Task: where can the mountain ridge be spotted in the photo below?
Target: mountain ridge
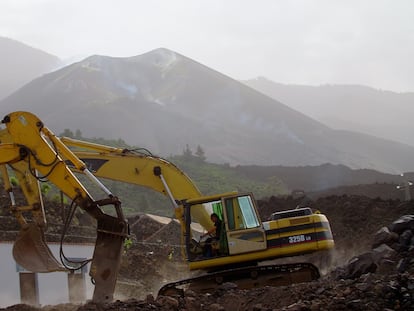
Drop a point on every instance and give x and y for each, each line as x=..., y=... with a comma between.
x=164, y=101
x=20, y=63
x=349, y=107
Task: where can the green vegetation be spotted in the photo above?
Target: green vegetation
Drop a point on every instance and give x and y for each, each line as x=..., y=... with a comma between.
x=45, y=188
x=13, y=181
x=217, y=178
x=119, y=143
x=208, y=177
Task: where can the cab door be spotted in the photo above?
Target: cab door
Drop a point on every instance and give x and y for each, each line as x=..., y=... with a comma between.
x=244, y=230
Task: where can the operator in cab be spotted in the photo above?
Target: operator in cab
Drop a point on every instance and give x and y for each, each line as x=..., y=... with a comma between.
x=214, y=238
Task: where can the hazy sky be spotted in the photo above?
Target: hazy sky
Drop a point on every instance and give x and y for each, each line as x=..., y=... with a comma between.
x=369, y=42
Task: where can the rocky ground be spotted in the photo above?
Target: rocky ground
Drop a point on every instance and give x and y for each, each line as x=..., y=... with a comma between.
x=372, y=266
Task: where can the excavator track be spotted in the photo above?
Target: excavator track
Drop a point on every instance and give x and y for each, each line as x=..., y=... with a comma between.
x=245, y=278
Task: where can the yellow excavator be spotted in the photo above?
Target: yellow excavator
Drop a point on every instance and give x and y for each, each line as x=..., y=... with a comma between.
x=35, y=154
x=245, y=240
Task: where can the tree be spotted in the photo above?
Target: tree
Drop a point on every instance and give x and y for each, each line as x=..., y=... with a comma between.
x=67, y=133
x=187, y=153
x=78, y=134
x=45, y=188
x=14, y=181
x=200, y=153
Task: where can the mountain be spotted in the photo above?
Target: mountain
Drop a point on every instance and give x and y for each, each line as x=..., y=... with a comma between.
x=20, y=64
x=349, y=107
x=163, y=101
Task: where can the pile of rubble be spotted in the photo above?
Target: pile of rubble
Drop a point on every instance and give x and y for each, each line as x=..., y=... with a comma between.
x=379, y=279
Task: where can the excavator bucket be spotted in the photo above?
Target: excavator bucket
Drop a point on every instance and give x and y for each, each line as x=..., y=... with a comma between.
x=31, y=252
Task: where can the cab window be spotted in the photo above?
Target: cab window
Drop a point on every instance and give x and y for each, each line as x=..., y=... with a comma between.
x=241, y=213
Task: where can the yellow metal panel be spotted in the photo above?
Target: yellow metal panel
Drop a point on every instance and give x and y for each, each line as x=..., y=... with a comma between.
x=262, y=255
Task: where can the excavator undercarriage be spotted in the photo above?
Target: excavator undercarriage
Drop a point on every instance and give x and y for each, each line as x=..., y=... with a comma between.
x=245, y=278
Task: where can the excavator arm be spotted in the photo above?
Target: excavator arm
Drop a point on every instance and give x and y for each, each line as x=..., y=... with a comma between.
x=141, y=169
x=36, y=153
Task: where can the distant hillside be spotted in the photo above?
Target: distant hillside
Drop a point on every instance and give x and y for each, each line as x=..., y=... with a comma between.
x=350, y=107
x=385, y=191
x=20, y=64
x=213, y=178
x=164, y=101
x=318, y=178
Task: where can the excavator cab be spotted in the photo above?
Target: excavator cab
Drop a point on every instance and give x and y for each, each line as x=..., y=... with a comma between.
x=242, y=231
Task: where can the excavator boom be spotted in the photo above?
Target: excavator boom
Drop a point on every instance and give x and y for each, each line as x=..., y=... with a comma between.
x=140, y=169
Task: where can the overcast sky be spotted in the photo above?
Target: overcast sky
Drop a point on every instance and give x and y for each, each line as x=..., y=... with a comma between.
x=311, y=42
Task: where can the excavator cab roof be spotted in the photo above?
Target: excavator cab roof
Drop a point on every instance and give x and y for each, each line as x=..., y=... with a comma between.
x=210, y=198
